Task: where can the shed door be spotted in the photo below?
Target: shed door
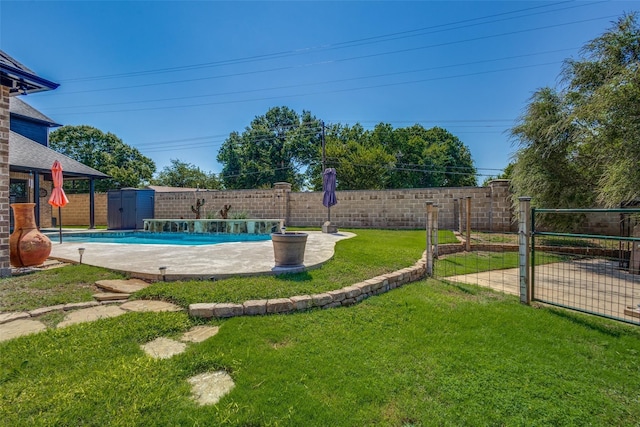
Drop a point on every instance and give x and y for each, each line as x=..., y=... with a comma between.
x=129, y=210
x=114, y=210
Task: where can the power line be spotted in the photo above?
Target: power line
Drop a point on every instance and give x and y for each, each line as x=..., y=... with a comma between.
x=407, y=50
x=271, y=98
x=485, y=61
x=356, y=42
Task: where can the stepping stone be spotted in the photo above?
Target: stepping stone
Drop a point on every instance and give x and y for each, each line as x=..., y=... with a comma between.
x=163, y=348
x=128, y=286
x=149, y=305
x=11, y=316
x=110, y=296
x=19, y=328
x=91, y=314
x=199, y=333
x=208, y=388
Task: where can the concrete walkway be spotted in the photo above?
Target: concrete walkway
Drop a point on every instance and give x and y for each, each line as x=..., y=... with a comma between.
x=198, y=262
x=591, y=285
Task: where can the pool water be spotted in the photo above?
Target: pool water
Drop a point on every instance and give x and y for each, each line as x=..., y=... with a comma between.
x=148, y=238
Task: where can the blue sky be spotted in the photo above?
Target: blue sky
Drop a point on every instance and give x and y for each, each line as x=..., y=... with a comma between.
x=175, y=78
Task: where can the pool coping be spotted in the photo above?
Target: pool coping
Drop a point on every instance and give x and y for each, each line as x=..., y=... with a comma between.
x=205, y=262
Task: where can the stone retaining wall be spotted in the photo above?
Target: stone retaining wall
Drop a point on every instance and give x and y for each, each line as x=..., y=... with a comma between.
x=338, y=298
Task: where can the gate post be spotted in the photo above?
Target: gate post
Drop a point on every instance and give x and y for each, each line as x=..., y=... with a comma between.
x=429, y=207
x=435, y=231
x=524, y=232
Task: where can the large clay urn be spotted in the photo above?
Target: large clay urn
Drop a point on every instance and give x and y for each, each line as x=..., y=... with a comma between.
x=288, y=249
x=27, y=245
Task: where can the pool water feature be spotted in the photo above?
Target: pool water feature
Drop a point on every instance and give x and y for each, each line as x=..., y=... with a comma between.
x=232, y=226
x=150, y=238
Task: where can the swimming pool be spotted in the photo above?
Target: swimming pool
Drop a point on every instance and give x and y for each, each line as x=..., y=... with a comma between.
x=149, y=238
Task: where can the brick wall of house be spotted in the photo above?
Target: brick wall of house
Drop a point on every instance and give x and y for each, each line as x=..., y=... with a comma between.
x=5, y=268
x=45, y=207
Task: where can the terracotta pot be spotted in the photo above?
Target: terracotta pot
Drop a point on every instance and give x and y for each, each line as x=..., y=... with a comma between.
x=288, y=248
x=27, y=245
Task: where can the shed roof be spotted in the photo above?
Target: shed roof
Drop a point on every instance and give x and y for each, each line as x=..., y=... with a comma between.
x=18, y=107
x=26, y=155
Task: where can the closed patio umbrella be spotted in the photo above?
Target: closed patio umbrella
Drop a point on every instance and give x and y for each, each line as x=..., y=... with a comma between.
x=329, y=187
x=58, y=198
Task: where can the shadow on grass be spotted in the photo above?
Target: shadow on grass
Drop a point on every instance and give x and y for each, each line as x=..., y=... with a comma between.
x=294, y=277
x=595, y=324
x=462, y=288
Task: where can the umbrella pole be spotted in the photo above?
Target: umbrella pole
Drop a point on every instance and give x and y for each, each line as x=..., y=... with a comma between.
x=60, y=222
x=329, y=214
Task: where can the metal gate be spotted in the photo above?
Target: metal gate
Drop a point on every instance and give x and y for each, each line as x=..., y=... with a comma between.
x=595, y=269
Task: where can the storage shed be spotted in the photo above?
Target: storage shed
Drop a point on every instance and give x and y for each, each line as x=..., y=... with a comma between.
x=129, y=207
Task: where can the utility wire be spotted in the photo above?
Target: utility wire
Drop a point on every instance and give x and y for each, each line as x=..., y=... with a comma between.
x=372, y=55
x=271, y=98
x=340, y=45
x=421, y=70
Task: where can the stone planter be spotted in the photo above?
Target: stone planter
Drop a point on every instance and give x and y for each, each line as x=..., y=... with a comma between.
x=27, y=245
x=288, y=249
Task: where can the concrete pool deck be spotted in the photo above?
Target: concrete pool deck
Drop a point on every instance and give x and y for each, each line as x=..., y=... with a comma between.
x=195, y=262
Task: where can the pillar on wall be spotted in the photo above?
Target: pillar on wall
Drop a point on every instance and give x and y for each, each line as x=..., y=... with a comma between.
x=502, y=218
x=5, y=267
x=281, y=192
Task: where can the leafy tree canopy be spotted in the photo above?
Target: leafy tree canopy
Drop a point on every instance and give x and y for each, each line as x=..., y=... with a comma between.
x=384, y=158
x=580, y=144
x=104, y=152
x=275, y=147
x=186, y=175
x=285, y=146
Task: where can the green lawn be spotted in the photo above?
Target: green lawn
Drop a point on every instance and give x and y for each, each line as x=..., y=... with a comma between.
x=425, y=354
x=369, y=254
x=73, y=283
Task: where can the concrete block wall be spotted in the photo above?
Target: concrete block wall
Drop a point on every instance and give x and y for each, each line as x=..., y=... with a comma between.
x=403, y=208
x=76, y=212
x=259, y=204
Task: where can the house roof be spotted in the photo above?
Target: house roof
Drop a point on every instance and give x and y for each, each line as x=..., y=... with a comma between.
x=26, y=155
x=20, y=108
x=20, y=79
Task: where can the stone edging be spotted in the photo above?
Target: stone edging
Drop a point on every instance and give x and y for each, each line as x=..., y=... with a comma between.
x=338, y=298
x=10, y=316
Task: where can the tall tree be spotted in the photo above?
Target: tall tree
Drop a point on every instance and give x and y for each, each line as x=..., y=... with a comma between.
x=385, y=158
x=580, y=144
x=274, y=147
x=104, y=152
x=431, y=158
x=186, y=175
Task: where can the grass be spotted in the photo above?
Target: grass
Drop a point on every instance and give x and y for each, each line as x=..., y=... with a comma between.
x=73, y=283
x=369, y=254
x=424, y=354
x=477, y=262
